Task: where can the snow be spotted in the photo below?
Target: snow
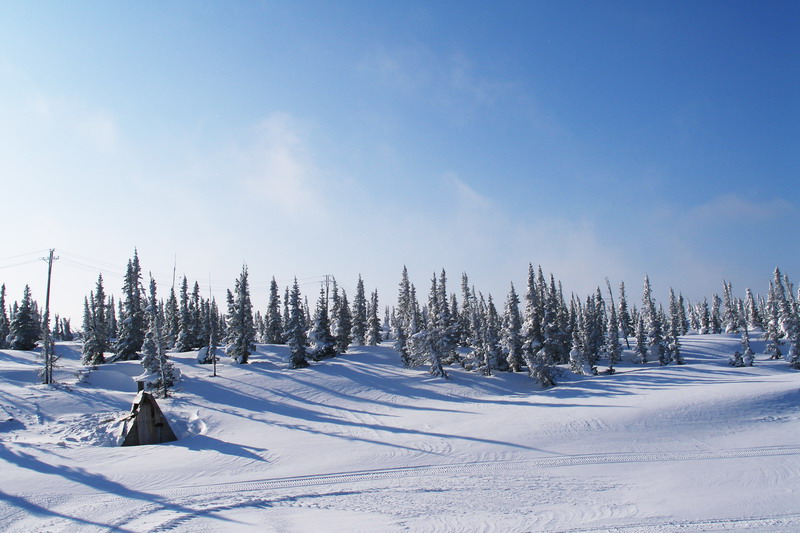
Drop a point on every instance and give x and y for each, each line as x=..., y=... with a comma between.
x=358, y=443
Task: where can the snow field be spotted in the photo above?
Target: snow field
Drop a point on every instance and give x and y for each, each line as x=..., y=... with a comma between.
x=359, y=443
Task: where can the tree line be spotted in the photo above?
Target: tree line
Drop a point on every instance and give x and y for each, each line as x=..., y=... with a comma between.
x=539, y=333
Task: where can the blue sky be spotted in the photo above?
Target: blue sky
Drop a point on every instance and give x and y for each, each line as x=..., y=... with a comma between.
x=598, y=139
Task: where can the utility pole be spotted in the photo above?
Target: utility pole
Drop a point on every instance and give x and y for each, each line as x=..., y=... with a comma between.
x=48, y=349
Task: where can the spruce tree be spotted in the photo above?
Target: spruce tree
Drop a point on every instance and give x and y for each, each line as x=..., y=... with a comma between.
x=373, y=337
x=323, y=345
x=404, y=317
x=274, y=322
x=613, y=349
x=184, y=339
x=531, y=335
x=24, y=325
x=730, y=318
x=241, y=330
x=296, y=331
x=5, y=323
x=752, y=314
x=511, y=335
x=343, y=324
x=159, y=368
x=132, y=319
x=578, y=362
x=625, y=323
x=748, y=357
x=492, y=338
x=93, y=348
x=359, y=314
x=171, y=320
x=641, y=342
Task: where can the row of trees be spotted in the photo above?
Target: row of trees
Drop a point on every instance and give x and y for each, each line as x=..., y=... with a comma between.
x=551, y=331
x=534, y=333
x=21, y=327
x=189, y=322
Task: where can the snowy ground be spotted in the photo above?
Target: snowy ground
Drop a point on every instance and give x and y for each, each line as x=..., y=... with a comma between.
x=360, y=444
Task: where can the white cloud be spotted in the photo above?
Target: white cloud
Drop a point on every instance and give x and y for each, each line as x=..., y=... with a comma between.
x=99, y=129
x=279, y=167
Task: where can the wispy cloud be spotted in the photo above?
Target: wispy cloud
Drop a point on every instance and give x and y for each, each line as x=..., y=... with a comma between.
x=279, y=167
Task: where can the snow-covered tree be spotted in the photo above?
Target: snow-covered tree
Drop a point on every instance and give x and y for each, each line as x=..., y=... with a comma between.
x=748, y=357
x=160, y=372
x=342, y=324
x=673, y=352
x=241, y=329
x=359, y=313
x=752, y=314
x=184, y=340
x=24, y=324
x=131, y=319
x=373, y=337
x=578, y=362
x=208, y=353
x=323, y=345
x=715, y=324
x=730, y=317
x=296, y=330
x=5, y=323
x=95, y=327
x=653, y=324
x=613, y=349
x=171, y=319
x=273, y=320
x=512, y=341
x=625, y=323
x=428, y=343
x=531, y=335
x=641, y=342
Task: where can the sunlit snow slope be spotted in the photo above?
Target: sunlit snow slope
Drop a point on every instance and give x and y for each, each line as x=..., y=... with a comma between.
x=359, y=443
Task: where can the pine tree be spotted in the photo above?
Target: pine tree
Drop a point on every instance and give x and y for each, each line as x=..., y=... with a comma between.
x=5, y=323
x=753, y=316
x=323, y=345
x=511, y=335
x=184, y=339
x=625, y=323
x=641, y=342
x=653, y=324
x=730, y=318
x=773, y=334
x=343, y=325
x=748, y=357
x=296, y=331
x=715, y=324
x=93, y=348
x=531, y=335
x=131, y=320
x=24, y=324
x=171, y=319
x=404, y=317
x=274, y=322
x=111, y=321
x=673, y=342
x=373, y=322
x=492, y=337
x=101, y=325
x=427, y=344
x=241, y=330
x=578, y=362
x=159, y=368
x=359, y=314
x=613, y=349
x=209, y=355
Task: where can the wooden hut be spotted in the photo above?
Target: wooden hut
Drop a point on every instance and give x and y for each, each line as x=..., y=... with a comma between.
x=146, y=424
